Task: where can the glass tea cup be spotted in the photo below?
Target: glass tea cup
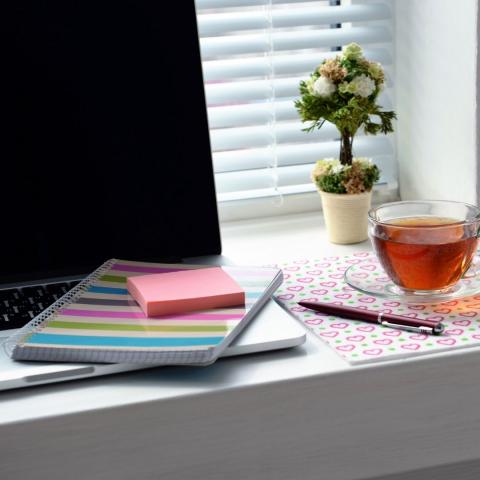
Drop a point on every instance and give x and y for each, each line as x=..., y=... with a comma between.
x=425, y=247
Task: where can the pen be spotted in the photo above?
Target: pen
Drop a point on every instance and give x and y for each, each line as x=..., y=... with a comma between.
x=385, y=319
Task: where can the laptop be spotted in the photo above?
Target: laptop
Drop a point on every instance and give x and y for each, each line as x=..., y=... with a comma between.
x=105, y=153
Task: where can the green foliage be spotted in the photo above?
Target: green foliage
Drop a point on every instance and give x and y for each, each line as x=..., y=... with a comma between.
x=332, y=177
x=370, y=176
x=332, y=183
x=385, y=125
x=344, y=91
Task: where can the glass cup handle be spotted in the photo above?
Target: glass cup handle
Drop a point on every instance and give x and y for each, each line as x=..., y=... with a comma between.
x=473, y=269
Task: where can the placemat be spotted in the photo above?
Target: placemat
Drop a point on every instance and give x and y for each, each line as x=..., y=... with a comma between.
x=360, y=342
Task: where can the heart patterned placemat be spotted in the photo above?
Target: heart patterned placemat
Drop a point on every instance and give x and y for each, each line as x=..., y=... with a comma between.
x=360, y=342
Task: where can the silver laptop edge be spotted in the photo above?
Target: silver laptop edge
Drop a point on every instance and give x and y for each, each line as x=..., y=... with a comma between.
x=271, y=329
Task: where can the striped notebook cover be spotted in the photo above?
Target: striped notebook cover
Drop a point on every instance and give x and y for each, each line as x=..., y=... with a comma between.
x=99, y=321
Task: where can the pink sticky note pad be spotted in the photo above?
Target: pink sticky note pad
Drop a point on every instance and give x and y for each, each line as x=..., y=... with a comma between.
x=185, y=291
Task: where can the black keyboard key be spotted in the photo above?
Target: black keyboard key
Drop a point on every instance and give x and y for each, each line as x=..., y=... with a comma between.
x=19, y=305
x=42, y=300
x=36, y=309
x=37, y=293
x=10, y=311
x=53, y=287
x=15, y=321
x=6, y=295
x=9, y=295
x=28, y=291
x=23, y=305
x=46, y=300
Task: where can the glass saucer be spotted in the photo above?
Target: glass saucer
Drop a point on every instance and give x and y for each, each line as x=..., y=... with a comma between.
x=368, y=276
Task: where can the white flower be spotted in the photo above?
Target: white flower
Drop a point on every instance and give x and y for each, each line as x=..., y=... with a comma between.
x=375, y=70
x=364, y=161
x=323, y=87
x=353, y=51
x=337, y=168
x=310, y=83
x=363, y=86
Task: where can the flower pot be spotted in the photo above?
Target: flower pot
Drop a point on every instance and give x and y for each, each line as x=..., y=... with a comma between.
x=346, y=216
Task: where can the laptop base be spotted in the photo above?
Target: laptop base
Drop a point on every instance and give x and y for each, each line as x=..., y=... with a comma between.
x=271, y=329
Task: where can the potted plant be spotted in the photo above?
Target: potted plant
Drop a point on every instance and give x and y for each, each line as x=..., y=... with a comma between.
x=343, y=91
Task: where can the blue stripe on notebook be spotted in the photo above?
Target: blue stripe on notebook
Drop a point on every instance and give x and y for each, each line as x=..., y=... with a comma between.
x=117, y=291
x=83, y=340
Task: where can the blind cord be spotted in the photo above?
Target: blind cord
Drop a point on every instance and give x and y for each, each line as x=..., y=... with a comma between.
x=277, y=198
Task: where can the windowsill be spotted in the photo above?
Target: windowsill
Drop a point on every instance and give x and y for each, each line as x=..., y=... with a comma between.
x=279, y=239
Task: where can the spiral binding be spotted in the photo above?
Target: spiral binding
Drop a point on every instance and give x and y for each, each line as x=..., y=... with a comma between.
x=36, y=324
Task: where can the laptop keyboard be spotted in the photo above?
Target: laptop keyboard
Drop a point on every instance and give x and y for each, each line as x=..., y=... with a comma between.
x=19, y=305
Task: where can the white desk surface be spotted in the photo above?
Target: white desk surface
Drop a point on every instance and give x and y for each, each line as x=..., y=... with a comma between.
x=307, y=412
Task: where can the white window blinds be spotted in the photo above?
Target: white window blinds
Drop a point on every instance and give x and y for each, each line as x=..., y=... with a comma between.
x=255, y=52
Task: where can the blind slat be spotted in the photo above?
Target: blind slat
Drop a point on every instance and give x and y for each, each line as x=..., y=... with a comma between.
x=216, y=24
x=254, y=90
x=262, y=135
x=305, y=39
x=230, y=116
x=233, y=69
x=297, y=154
x=301, y=188
x=218, y=4
x=248, y=180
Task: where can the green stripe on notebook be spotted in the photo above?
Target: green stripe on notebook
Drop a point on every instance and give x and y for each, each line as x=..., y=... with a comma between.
x=113, y=278
x=138, y=327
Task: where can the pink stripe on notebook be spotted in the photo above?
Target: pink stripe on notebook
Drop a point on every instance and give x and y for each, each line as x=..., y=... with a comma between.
x=141, y=269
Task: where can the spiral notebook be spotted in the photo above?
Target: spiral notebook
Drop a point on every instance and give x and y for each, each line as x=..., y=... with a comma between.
x=99, y=321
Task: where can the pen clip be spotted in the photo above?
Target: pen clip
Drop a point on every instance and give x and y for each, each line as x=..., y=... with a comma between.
x=409, y=328
x=436, y=329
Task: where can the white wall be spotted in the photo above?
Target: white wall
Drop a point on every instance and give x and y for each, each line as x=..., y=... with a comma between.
x=436, y=48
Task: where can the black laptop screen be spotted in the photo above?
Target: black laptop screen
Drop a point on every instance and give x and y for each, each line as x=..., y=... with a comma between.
x=104, y=145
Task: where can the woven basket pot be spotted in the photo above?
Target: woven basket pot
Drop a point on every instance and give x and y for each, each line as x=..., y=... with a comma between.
x=346, y=216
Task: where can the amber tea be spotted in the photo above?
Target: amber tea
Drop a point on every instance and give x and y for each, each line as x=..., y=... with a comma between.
x=424, y=252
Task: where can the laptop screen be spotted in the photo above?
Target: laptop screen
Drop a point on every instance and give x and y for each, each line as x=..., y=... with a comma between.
x=105, y=145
